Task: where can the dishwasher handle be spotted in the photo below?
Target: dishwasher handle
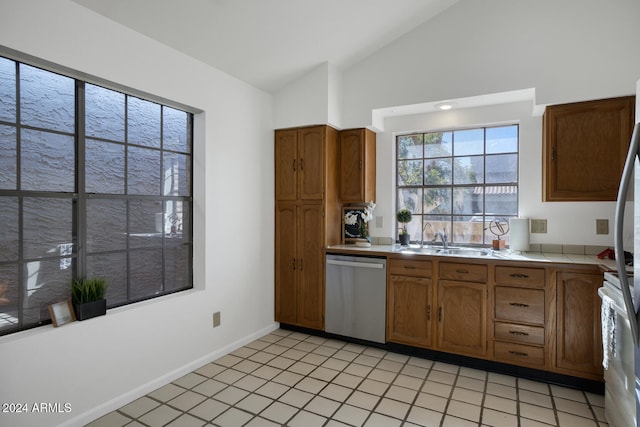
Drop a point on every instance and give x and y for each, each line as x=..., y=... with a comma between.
x=355, y=264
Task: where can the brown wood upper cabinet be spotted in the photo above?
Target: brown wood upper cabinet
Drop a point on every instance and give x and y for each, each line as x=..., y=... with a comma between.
x=300, y=163
x=584, y=150
x=357, y=166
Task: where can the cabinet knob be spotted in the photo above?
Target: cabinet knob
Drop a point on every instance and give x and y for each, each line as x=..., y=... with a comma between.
x=462, y=271
x=410, y=267
x=520, y=333
x=519, y=276
x=294, y=165
x=518, y=353
x=294, y=264
x=301, y=164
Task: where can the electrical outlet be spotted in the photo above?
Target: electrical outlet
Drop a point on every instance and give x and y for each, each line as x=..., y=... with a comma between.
x=602, y=226
x=539, y=226
x=379, y=222
x=216, y=319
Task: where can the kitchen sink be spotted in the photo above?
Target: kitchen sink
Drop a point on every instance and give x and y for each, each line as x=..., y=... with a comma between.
x=451, y=251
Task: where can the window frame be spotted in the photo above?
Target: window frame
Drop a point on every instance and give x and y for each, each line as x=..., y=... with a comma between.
x=80, y=198
x=486, y=217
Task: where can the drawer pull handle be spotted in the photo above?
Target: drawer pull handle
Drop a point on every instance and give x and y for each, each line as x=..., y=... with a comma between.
x=518, y=353
x=462, y=271
x=519, y=276
x=410, y=267
x=524, y=334
x=519, y=304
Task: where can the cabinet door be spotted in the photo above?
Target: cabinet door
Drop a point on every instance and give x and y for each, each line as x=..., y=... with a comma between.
x=310, y=266
x=409, y=302
x=357, y=166
x=311, y=162
x=585, y=145
x=286, y=263
x=286, y=164
x=579, y=334
x=462, y=318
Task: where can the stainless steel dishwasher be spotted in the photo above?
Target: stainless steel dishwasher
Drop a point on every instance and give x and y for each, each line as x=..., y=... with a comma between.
x=356, y=296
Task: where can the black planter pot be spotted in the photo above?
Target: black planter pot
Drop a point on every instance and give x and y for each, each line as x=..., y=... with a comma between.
x=404, y=239
x=90, y=309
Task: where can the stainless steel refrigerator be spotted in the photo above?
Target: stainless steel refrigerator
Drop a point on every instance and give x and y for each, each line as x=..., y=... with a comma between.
x=630, y=283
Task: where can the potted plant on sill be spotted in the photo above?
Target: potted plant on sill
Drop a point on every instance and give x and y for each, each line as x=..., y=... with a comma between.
x=404, y=216
x=88, y=297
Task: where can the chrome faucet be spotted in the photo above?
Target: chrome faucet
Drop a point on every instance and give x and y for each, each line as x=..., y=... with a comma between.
x=443, y=236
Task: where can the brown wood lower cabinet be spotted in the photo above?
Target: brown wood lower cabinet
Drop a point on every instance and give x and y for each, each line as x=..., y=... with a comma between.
x=578, y=331
x=462, y=318
x=542, y=317
x=409, y=302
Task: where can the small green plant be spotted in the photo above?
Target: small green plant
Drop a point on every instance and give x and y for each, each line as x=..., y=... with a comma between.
x=87, y=290
x=403, y=216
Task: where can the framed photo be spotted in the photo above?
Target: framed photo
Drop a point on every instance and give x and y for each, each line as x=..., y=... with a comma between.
x=351, y=233
x=62, y=313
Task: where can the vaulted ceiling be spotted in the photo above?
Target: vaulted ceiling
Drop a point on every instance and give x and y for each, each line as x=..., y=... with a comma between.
x=270, y=43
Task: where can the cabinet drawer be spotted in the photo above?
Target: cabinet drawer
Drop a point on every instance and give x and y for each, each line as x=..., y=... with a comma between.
x=463, y=272
x=410, y=267
x=519, y=305
x=520, y=333
x=519, y=354
x=524, y=276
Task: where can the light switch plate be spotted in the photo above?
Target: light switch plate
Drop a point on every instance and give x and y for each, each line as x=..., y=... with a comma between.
x=539, y=226
x=379, y=222
x=602, y=226
x=216, y=319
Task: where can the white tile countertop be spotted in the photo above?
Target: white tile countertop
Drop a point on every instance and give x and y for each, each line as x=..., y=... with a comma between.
x=547, y=257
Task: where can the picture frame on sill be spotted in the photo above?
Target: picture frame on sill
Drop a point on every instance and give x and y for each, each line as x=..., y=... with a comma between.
x=61, y=313
x=352, y=233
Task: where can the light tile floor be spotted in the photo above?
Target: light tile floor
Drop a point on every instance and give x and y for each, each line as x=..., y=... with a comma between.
x=294, y=379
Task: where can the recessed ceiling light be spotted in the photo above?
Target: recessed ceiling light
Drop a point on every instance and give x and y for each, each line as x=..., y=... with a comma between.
x=444, y=105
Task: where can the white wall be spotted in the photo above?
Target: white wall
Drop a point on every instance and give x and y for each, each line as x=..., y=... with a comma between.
x=101, y=364
x=568, y=51
x=567, y=222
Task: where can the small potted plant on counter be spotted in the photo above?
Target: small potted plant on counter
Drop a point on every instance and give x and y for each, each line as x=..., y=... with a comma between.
x=404, y=216
x=88, y=297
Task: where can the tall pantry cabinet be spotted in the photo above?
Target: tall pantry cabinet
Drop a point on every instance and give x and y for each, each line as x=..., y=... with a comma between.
x=307, y=219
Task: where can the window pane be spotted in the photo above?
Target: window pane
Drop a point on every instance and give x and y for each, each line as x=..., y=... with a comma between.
x=145, y=223
x=502, y=139
x=467, y=230
x=438, y=144
x=468, y=142
x=410, y=147
x=48, y=161
x=46, y=283
x=410, y=172
x=502, y=200
x=174, y=130
x=410, y=198
x=106, y=225
x=146, y=273
x=9, y=233
x=178, y=220
x=113, y=268
x=7, y=90
x=8, y=150
x=104, y=113
x=177, y=266
x=437, y=172
x=8, y=296
x=502, y=168
x=47, y=227
x=176, y=179
x=433, y=224
x=143, y=171
x=437, y=200
x=104, y=167
x=143, y=122
x=47, y=100
x=466, y=201
x=468, y=170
